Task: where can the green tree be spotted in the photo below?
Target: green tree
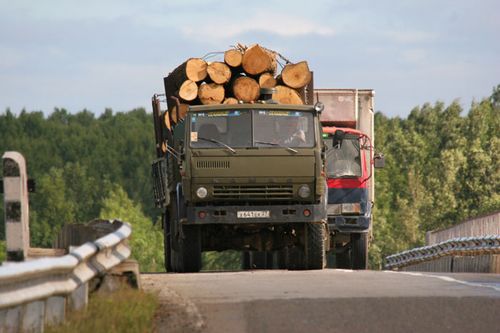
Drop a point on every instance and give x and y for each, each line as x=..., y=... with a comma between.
x=146, y=240
x=64, y=195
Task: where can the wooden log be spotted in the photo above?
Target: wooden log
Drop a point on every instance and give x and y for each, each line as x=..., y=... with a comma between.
x=287, y=95
x=219, y=72
x=188, y=90
x=257, y=60
x=230, y=100
x=211, y=93
x=246, y=89
x=233, y=57
x=196, y=69
x=166, y=120
x=296, y=75
x=267, y=80
x=193, y=69
x=178, y=112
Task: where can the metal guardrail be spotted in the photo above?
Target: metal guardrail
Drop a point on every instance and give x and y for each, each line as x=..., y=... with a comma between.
x=38, y=292
x=463, y=246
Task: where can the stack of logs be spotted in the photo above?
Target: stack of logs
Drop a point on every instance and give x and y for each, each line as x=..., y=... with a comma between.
x=239, y=78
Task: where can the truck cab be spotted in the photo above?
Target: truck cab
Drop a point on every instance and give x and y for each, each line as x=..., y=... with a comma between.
x=246, y=177
x=348, y=136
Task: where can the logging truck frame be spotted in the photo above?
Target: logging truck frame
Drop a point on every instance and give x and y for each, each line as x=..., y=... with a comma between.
x=217, y=194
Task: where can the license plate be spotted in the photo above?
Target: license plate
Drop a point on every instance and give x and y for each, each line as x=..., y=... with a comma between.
x=249, y=214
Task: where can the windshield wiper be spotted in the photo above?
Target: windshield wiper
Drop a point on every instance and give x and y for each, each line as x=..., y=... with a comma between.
x=218, y=142
x=277, y=144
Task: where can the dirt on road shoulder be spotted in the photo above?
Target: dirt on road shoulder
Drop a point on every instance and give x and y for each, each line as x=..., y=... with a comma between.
x=175, y=313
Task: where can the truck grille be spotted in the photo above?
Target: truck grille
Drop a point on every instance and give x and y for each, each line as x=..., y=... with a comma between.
x=283, y=192
x=212, y=164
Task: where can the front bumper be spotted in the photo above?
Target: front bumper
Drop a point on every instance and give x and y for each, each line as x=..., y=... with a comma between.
x=278, y=214
x=349, y=224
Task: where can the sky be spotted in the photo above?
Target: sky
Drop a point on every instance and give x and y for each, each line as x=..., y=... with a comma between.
x=114, y=53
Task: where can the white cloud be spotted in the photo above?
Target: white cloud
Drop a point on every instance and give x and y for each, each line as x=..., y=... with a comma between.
x=410, y=37
x=279, y=24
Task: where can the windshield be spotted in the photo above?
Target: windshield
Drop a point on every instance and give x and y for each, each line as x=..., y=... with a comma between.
x=343, y=160
x=252, y=128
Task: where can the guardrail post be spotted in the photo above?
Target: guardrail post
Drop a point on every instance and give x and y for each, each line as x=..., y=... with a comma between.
x=16, y=206
x=79, y=298
x=55, y=310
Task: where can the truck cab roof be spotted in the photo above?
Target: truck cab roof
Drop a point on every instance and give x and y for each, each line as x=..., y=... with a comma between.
x=250, y=106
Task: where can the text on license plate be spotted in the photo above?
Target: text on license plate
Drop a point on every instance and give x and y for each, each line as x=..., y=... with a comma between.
x=253, y=214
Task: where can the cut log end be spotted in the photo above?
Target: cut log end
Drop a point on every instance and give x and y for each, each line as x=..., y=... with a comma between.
x=178, y=112
x=267, y=80
x=257, y=60
x=233, y=57
x=211, y=93
x=219, y=72
x=296, y=75
x=196, y=69
x=230, y=100
x=188, y=90
x=166, y=119
x=246, y=89
x=287, y=95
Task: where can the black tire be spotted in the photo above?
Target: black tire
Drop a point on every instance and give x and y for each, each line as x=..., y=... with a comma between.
x=185, y=244
x=269, y=259
x=330, y=259
x=167, y=243
x=174, y=243
x=246, y=260
x=259, y=259
x=296, y=258
x=343, y=260
x=359, y=251
x=315, y=246
x=190, y=249
x=281, y=258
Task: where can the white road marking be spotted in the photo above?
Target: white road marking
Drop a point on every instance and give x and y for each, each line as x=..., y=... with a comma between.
x=494, y=286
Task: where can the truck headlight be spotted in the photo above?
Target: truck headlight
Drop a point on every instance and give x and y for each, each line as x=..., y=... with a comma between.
x=334, y=209
x=345, y=208
x=304, y=191
x=351, y=208
x=201, y=192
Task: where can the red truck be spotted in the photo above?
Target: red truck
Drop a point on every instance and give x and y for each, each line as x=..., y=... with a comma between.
x=348, y=123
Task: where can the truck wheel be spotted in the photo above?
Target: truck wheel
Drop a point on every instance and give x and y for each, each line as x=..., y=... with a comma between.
x=296, y=258
x=246, y=260
x=259, y=259
x=315, y=246
x=270, y=260
x=281, y=258
x=167, y=245
x=359, y=251
x=343, y=260
x=190, y=249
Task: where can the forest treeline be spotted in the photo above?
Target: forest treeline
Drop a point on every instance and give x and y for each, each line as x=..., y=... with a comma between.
x=442, y=166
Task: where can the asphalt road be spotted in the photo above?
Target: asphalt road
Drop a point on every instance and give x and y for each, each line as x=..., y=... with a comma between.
x=326, y=301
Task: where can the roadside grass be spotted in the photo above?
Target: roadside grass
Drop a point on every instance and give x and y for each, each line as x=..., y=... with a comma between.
x=126, y=310
x=220, y=261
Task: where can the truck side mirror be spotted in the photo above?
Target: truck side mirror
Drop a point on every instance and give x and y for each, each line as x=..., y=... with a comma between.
x=319, y=107
x=379, y=161
x=338, y=136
